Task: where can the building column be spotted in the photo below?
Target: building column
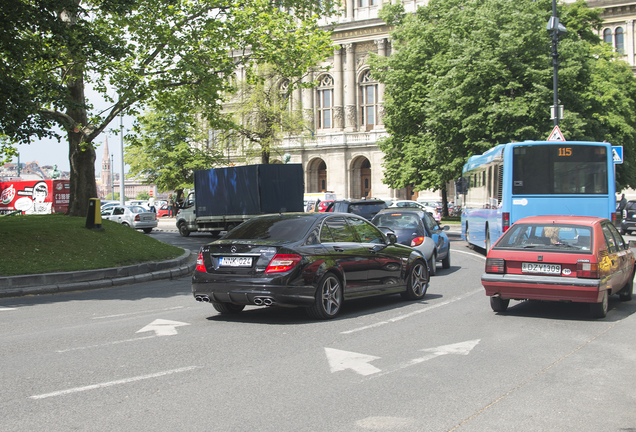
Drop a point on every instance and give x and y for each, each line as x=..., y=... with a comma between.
x=629, y=41
x=338, y=106
x=308, y=102
x=349, y=10
x=382, y=45
x=350, y=88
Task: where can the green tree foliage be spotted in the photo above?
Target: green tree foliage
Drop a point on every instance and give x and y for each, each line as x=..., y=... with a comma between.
x=166, y=146
x=466, y=75
x=137, y=50
x=262, y=111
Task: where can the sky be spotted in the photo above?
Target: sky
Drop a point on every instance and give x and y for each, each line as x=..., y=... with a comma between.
x=51, y=152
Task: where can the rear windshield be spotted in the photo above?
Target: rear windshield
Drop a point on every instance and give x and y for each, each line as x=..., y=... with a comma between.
x=547, y=236
x=396, y=221
x=367, y=210
x=559, y=169
x=272, y=228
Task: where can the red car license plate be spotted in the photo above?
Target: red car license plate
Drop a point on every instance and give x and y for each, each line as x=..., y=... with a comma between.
x=541, y=268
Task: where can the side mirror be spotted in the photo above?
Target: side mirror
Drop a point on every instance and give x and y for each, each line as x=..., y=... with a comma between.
x=393, y=238
x=446, y=228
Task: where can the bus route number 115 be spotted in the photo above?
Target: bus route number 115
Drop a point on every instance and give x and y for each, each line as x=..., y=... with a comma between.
x=565, y=151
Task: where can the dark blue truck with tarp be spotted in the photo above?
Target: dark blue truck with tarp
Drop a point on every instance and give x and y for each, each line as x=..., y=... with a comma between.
x=226, y=197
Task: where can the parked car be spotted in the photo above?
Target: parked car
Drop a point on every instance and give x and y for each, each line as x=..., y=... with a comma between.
x=163, y=211
x=417, y=228
x=312, y=260
x=560, y=258
x=628, y=224
x=135, y=217
x=322, y=205
x=407, y=204
x=430, y=206
x=367, y=208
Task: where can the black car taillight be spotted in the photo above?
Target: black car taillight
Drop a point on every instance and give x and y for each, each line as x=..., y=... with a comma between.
x=587, y=270
x=200, y=263
x=495, y=265
x=282, y=263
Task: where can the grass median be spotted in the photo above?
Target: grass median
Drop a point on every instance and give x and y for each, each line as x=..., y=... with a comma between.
x=33, y=244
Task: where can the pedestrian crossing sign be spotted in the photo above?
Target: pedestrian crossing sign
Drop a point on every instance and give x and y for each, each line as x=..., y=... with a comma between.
x=617, y=154
x=556, y=134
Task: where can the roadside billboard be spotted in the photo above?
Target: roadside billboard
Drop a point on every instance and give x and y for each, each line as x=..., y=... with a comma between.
x=34, y=196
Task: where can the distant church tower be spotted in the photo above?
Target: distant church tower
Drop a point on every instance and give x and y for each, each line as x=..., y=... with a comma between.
x=106, y=171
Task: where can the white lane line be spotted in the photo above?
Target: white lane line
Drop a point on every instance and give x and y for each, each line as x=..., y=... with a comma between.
x=473, y=254
x=138, y=312
x=417, y=312
x=6, y=308
x=112, y=383
x=105, y=344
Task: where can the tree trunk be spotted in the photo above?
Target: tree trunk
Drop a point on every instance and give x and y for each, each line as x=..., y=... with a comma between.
x=444, y=202
x=81, y=154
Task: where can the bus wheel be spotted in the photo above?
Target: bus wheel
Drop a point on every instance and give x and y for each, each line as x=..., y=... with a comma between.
x=487, y=240
x=470, y=245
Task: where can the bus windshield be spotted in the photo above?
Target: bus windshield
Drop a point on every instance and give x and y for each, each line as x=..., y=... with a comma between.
x=552, y=170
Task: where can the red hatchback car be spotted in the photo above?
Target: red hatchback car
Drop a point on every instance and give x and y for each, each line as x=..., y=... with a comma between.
x=560, y=258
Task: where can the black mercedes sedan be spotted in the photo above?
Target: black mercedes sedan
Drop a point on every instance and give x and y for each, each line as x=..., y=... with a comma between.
x=311, y=260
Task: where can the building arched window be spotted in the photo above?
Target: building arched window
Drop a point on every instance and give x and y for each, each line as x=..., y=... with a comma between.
x=607, y=36
x=368, y=100
x=619, y=39
x=325, y=102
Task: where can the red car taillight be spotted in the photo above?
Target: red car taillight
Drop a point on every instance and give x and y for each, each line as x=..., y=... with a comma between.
x=137, y=218
x=587, y=270
x=417, y=241
x=505, y=221
x=495, y=265
x=200, y=263
x=282, y=263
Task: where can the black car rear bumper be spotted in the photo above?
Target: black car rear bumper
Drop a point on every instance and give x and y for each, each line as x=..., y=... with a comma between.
x=257, y=291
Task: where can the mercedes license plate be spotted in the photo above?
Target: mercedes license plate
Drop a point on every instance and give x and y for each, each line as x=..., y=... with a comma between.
x=235, y=261
x=541, y=268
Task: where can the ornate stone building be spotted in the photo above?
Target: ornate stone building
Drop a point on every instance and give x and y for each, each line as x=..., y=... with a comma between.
x=341, y=153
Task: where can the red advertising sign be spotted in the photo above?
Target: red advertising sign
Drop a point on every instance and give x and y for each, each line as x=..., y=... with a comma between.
x=34, y=196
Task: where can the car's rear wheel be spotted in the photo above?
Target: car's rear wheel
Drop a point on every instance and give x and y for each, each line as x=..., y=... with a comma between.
x=432, y=265
x=626, y=293
x=499, y=304
x=417, y=282
x=147, y=230
x=183, y=230
x=328, y=299
x=125, y=224
x=228, y=308
x=599, y=310
x=446, y=262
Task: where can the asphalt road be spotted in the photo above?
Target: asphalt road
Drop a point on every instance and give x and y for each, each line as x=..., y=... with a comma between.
x=147, y=357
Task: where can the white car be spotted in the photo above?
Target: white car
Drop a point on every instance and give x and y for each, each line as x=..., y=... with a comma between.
x=408, y=204
x=135, y=217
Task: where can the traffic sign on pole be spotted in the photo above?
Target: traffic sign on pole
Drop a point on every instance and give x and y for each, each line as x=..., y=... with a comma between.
x=556, y=135
x=617, y=154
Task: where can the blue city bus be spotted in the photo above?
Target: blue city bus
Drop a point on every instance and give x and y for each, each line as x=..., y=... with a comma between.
x=519, y=179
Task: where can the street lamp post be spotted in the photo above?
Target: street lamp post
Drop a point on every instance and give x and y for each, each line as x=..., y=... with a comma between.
x=112, y=177
x=557, y=29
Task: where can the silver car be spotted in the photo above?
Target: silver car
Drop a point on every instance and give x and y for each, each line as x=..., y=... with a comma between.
x=135, y=217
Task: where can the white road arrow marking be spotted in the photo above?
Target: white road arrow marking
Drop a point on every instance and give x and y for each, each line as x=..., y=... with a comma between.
x=163, y=327
x=340, y=360
x=461, y=348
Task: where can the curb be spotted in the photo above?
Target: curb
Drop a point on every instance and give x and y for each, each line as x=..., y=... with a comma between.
x=52, y=283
